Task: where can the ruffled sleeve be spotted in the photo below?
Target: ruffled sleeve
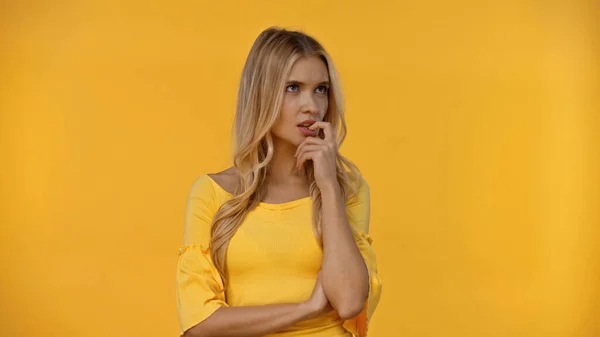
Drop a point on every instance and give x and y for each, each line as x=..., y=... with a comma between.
x=358, y=212
x=199, y=286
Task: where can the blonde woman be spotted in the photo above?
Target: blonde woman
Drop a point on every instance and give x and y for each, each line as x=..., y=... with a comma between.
x=278, y=244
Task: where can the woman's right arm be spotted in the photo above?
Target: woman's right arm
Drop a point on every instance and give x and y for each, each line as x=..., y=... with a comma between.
x=260, y=320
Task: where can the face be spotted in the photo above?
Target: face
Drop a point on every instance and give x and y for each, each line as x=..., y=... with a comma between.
x=306, y=97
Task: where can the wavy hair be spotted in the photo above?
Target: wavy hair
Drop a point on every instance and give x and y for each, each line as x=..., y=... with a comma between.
x=260, y=97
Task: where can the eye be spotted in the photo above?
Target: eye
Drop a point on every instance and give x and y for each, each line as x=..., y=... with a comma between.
x=291, y=87
x=322, y=89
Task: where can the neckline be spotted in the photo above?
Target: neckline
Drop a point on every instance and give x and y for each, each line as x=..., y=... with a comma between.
x=283, y=205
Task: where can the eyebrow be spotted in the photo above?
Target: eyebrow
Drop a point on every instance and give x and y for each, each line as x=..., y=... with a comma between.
x=301, y=83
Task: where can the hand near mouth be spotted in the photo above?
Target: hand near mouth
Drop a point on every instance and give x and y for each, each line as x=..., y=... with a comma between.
x=305, y=128
x=323, y=153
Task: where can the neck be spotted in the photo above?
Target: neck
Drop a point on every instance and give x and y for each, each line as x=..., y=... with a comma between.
x=282, y=167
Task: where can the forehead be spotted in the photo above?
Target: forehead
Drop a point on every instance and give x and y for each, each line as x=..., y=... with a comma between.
x=309, y=69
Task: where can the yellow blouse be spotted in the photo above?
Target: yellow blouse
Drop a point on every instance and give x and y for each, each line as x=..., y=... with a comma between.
x=273, y=258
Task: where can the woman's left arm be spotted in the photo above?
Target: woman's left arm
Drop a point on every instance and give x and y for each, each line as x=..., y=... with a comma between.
x=345, y=275
x=344, y=272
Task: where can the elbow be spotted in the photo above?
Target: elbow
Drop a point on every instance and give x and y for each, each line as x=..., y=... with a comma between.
x=205, y=328
x=350, y=303
x=197, y=330
x=192, y=333
x=350, y=310
x=189, y=333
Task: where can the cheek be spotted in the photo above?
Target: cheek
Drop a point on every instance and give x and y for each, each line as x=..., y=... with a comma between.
x=323, y=105
x=288, y=107
x=287, y=117
x=288, y=112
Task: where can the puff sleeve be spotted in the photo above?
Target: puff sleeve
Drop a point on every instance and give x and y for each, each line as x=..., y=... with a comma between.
x=199, y=288
x=358, y=212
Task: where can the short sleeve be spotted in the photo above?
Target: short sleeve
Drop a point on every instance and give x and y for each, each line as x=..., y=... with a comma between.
x=199, y=288
x=358, y=211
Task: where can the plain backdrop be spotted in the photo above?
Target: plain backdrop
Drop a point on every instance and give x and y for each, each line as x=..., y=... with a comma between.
x=476, y=124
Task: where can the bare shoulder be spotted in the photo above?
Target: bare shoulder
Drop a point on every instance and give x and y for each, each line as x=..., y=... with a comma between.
x=225, y=178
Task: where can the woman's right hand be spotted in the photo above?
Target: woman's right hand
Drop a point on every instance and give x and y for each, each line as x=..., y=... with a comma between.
x=318, y=303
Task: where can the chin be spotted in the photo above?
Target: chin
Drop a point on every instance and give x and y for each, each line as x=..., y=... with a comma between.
x=299, y=141
x=294, y=140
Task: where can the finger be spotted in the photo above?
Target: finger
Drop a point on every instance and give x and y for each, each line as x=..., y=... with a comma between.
x=312, y=147
x=327, y=129
x=305, y=156
x=328, y=143
x=309, y=148
x=316, y=141
x=302, y=146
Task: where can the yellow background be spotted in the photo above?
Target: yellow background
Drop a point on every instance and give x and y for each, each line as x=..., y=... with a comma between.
x=476, y=124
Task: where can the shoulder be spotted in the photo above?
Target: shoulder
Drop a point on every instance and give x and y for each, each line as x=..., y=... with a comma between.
x=358, y=207
x=208, y=184
x=225, y=179
x=211, y=190
x=204, y=199
x=202, y=194
x=362, y=187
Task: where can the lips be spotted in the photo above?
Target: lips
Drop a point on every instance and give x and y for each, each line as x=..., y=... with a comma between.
x=306, y=131
x=304, y=127
x=306, y=123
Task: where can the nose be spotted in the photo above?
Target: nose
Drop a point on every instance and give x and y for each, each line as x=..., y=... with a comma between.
x=308, y=104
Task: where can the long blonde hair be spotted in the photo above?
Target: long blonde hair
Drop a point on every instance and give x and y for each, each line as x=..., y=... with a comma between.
x=260, y=97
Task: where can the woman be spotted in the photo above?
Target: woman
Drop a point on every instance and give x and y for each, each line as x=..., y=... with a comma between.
x=277, y=245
